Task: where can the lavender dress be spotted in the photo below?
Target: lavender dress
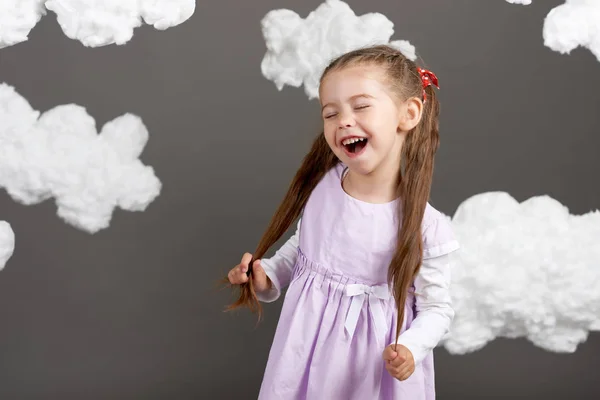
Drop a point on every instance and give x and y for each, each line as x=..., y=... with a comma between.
x=338, y=314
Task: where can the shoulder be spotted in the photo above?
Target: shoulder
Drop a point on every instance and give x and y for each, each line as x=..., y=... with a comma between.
x=438, y=234
x=431, y=216
x=338, y=170
x=323, y=188
x=333, y=175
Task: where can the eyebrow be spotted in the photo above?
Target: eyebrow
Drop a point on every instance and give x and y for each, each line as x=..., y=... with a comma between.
x=367, y=96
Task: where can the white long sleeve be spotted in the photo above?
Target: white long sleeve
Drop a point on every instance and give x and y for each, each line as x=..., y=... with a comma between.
x=434, y=312
x=279, y=268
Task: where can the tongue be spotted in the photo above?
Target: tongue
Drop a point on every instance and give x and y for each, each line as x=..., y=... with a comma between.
x=358, y=146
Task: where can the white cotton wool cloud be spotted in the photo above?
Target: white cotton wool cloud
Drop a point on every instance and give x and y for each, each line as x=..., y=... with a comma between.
x=527, y=269
x=17, y=19
x=102, y=22
x=7, y=243
x=524, y=2
x=298, y=50
x=570, y=25
x=92, y=22
x=573, y=24
x=59, y=154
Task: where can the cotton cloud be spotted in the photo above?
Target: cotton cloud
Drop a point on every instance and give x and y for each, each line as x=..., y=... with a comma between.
x=525, y=270
x=570, y=25
x=17, y=19
x=575, y=23
x=298, y=50
x=7, y=243
x=93, y=22
x=59, y=154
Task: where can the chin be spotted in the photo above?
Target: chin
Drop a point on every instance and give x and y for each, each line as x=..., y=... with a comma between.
x=361, y=167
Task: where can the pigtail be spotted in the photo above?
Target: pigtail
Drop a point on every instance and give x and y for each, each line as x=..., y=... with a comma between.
x=315, y=165
x=416, y=177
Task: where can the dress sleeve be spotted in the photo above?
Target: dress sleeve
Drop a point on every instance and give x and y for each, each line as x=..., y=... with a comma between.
x=279, y=267
x=434, y=312
x=439, y=238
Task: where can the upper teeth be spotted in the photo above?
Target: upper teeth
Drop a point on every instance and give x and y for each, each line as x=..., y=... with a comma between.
x=352, y=140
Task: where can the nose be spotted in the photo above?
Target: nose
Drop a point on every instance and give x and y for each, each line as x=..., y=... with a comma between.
x=346, y=121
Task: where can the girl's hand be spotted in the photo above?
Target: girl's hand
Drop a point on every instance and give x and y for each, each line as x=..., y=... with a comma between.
x=400, y=363
x=237, y=275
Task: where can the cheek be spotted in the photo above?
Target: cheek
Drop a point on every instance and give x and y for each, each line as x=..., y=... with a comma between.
x=383, y=126
x=329, y=134
x=376, y=122
x=381, y=132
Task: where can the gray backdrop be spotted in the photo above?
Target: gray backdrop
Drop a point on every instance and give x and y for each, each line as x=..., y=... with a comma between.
x=133, y=313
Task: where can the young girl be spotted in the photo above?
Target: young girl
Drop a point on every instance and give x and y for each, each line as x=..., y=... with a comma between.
x=368, y=269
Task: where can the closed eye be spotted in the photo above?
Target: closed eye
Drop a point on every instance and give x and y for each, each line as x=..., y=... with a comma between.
x=328, y=116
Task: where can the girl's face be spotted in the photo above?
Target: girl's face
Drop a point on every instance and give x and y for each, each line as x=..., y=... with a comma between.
x=362, y=118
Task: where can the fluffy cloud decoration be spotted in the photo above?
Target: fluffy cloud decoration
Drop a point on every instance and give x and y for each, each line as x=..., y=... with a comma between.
x=93, y=22
x=17, y=19
x=572, y=24
x=7, y=243
x=61, y=155
x=298, y=50
x=526, y=269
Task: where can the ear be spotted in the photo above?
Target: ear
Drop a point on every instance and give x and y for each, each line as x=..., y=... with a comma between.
x=410, y=114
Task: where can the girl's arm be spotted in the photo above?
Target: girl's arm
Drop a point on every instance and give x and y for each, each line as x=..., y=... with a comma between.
x=279, y=268
x=434, y=312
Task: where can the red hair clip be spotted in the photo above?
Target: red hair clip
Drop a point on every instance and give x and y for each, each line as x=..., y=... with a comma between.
x=428, y=78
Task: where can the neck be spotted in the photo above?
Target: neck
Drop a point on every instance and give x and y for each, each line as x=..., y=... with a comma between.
x=379, y=186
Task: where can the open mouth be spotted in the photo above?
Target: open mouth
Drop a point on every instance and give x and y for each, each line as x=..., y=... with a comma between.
x=355, y=145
